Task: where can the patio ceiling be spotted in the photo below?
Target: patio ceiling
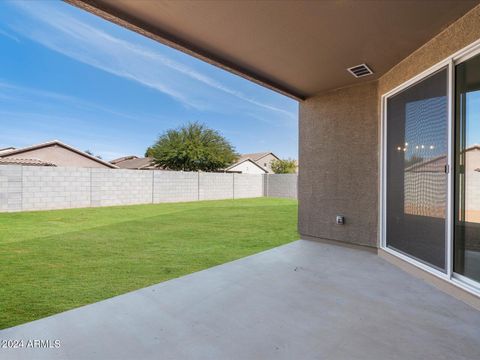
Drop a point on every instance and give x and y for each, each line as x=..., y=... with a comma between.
x=299, y=48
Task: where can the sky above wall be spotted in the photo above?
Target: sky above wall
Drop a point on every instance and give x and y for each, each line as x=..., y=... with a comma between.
x=68, y=75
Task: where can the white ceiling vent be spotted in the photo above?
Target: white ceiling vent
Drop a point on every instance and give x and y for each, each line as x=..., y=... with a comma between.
x=360, y=70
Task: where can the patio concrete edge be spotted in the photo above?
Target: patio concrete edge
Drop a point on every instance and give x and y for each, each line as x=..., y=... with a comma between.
x=445, y=286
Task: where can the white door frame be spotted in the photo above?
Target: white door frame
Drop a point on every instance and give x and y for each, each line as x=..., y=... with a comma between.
x=449, y=64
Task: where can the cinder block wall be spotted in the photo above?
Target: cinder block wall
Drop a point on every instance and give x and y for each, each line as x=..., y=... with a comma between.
x=248, y=185
x=25, y=188
x=172, y=186
x=215, y=186
x=54, y=188
x=121, y=187
x=281, y=185
x=10, y=188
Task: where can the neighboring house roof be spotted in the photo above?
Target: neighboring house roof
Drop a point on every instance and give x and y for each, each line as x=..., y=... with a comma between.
x=134, y=162
x=245, y=160
x=123, y=158
x=57, y=143
x=30, y=162
x=7, y=149
x=255, y=156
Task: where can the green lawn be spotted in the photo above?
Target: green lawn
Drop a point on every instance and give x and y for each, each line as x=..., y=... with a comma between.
x=52, y=261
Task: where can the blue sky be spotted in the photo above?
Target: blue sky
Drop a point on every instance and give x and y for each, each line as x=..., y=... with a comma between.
x=473, y=118
x=71, y=76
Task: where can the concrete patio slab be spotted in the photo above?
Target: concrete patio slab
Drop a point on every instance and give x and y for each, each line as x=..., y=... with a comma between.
x=304, y=300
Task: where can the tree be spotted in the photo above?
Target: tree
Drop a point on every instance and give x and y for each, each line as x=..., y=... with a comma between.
x=287, y=166
x=149, y=152
x=192, y=147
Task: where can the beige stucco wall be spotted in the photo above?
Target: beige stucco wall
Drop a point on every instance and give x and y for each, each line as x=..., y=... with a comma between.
x=266, y=162
x=338, y=176
x=247, y=167
x=339, y=143
x=458, y=35
x=59, y=156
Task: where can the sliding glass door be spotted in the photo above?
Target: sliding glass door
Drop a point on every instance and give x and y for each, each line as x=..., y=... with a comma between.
x=467, y=169
x=431, y=214
x=416, y=178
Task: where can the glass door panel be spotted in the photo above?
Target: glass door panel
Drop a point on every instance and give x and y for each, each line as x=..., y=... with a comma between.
x=467, y=169
x=416, y=183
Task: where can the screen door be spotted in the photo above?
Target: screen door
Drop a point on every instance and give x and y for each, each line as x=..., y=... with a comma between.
x=416, y=175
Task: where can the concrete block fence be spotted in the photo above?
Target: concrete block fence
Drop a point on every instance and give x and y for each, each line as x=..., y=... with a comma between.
x=25, y=188
x=281, y=185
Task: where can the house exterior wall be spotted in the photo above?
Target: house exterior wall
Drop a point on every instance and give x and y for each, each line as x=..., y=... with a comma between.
x=338, y=176
x=247, y=167
x=266, y=162
x=340, y=143
x=59, y=156
x=458, y=35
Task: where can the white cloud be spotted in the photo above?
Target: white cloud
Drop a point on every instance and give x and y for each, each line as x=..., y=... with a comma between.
x=11, y=93
x=61, y=32
x=8, y=35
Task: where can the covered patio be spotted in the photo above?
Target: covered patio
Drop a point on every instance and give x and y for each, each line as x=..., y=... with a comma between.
x=306, y=300
x=383, y=131
x=329, y=296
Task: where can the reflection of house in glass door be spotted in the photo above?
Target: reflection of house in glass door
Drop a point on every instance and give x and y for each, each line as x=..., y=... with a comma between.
x=424, y=185
x=431, y=215
x=467, y=179
x=471, y=174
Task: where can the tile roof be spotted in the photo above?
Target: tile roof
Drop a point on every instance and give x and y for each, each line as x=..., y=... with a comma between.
x=31, y=162
x=59, y=143
x=137, y=163
x=252, y=156
x=123, y=158
x=7, y=149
